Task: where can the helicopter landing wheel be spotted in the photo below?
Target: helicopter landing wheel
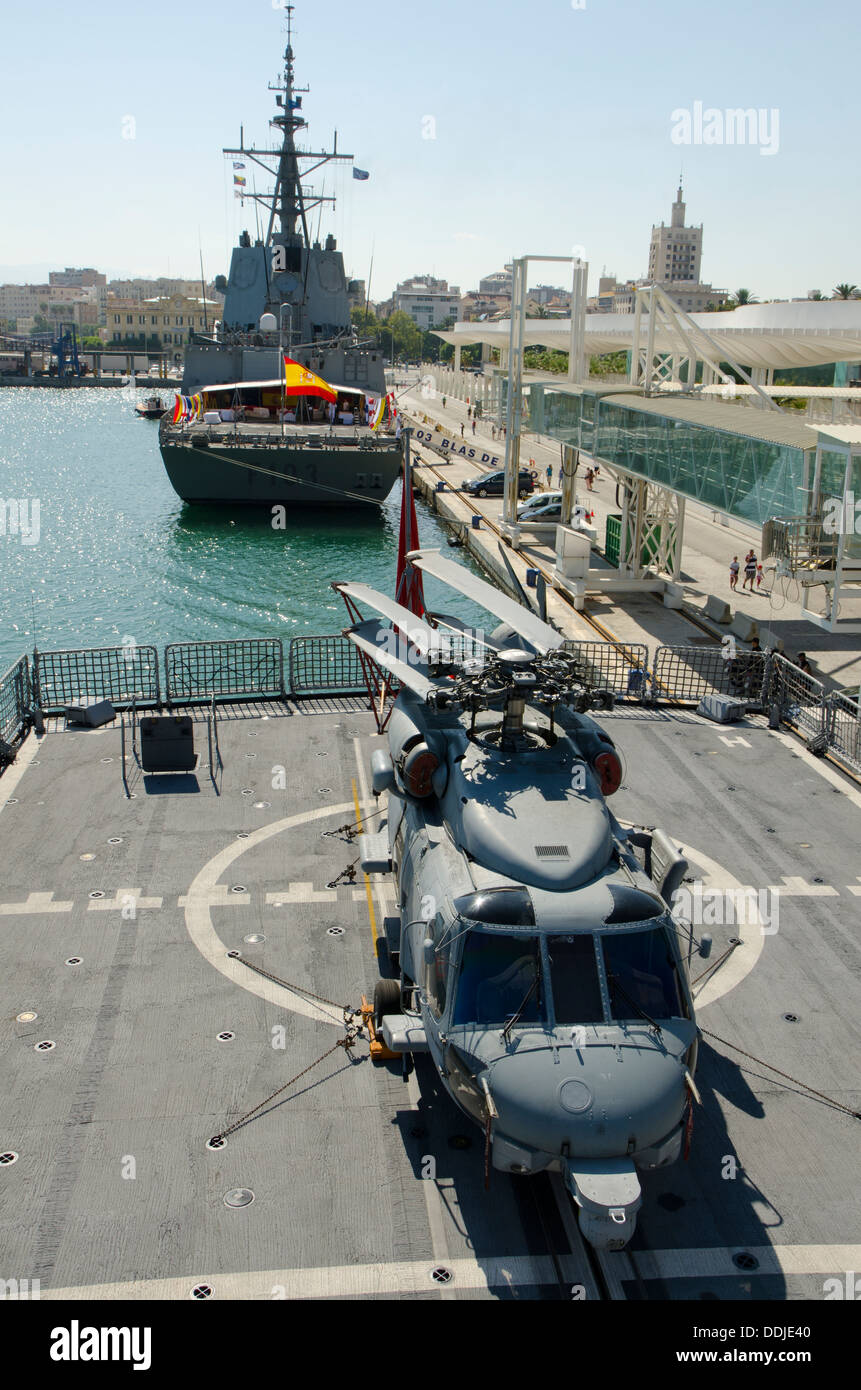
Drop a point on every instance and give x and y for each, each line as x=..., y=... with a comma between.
x=387, y=1000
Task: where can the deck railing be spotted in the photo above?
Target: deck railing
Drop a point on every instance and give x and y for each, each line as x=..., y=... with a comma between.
x=308, y=667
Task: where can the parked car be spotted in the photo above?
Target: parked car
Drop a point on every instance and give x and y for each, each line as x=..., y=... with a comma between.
x=538, y=499
x=493, y=484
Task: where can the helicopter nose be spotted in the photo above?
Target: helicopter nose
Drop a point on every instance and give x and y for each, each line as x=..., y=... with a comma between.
x=595, y=1104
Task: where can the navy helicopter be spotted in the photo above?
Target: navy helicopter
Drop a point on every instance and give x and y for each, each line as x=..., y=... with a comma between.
x=538, y=960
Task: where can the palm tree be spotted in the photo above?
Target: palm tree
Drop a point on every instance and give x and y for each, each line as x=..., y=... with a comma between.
x=745, y=297
x=817, y=294
x=845, y=292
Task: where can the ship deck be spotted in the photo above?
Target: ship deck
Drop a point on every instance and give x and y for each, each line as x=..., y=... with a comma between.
x=114, y=1193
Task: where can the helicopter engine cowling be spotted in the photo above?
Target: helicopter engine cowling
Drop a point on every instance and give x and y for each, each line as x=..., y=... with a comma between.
x=419, y=771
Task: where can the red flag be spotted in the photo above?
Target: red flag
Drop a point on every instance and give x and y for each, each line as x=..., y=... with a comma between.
x=408, y=590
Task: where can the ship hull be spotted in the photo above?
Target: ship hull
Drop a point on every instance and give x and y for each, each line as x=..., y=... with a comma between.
x=221, y=474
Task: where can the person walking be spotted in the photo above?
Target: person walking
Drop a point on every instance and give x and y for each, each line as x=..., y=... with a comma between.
x=493, y=431
x=759, y=577
x=549, y=476
x=749, y=570
x=473, y=427
x=461, y=429
x=561, y=474
x=590, y=476
x=733, y=573
x=443, y=402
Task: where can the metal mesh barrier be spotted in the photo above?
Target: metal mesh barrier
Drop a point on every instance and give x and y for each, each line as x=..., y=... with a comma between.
x=224, y=670
x=844, y=730
x=118, y=674
x=14, y=700
x=624, y=669
x=683, y=675
x=800, y=698
x=318, y=664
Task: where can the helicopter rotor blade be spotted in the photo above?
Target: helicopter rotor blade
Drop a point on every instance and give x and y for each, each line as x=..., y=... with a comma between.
x=367, y=635
x=408, y=622
x=538, y=634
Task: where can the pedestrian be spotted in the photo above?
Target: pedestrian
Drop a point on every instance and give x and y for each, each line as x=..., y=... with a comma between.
x=461, y=429
x=759, y=578
x=803, y=664
x=596, y=471
x=473, y=427
x=733, y=573
x=443, y=402
x=560, y=474
x=468, y=412
x=549, y=476
x=749, y=570
x=505, y=431
x=493, y=431
x=590, y=476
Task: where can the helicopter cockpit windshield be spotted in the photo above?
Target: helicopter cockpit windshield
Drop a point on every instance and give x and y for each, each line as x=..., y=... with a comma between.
x=518, y=978
x=500, y=976
x=641, y=975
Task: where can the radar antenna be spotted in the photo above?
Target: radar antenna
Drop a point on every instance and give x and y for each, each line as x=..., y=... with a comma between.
x=291, y=201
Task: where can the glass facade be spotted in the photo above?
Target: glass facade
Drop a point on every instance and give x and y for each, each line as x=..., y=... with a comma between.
x=753, y=479
x=750, y=478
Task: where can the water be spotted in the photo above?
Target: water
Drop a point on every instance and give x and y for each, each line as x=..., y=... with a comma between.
x=119, y=555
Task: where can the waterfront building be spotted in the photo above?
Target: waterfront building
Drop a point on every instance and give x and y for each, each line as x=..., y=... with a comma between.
x=428, y=301
x=171, y=318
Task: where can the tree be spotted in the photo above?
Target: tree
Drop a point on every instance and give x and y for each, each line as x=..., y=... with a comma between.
x=366, y=324
x=745, y=297
x=845, y=292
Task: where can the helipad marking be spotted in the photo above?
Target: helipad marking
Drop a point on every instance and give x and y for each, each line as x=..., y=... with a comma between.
x=35, y=902
x=854, y=888
x=303, y=893
x=799, y=888
x=717, y=1262
x=220, y=896
x=202, y=931
x=122, y=901
x=338, y=1281
x=732, y=742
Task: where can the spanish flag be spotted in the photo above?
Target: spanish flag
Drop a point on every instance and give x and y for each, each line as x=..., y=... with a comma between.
x=298, y=381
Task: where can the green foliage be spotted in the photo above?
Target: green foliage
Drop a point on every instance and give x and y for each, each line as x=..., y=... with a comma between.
x=845, y=291
x=609, y=364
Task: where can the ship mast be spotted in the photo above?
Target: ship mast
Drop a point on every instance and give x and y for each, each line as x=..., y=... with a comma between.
x=289, y=202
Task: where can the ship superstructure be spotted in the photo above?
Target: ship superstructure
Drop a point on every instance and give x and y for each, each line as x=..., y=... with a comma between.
x=286, y=294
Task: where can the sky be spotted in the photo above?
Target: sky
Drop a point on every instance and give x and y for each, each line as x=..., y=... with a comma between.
x=490, y=129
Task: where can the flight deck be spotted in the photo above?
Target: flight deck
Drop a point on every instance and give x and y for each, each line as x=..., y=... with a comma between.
x=135, y=1034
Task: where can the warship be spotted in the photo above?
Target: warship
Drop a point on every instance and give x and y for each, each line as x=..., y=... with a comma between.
x=257, y=439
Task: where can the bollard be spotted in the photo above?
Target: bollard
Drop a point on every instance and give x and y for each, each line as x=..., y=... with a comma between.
x=440, y=487
x=531, y=578
x=476, y=523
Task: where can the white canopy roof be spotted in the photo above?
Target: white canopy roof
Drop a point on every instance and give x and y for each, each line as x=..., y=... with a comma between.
x=797, y=334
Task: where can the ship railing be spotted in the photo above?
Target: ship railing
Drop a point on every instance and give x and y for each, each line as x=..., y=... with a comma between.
x=320, y=666
x=622, y=668
x=684, y=675
x=14, y=703
x=249, y=669
x=124, y=675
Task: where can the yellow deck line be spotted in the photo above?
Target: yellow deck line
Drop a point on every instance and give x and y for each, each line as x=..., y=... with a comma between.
x=372, y=915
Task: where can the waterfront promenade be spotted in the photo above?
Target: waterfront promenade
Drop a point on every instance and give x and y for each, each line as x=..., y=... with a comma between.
x=709, y=546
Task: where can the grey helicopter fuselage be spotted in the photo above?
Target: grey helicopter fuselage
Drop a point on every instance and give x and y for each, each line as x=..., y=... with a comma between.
x=540, y=965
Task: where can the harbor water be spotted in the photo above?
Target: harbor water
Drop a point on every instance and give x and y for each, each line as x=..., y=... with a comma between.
x=104, y=550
